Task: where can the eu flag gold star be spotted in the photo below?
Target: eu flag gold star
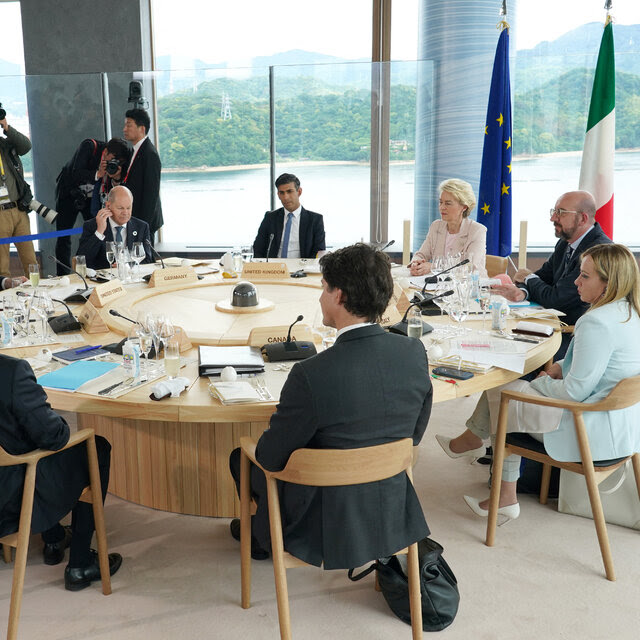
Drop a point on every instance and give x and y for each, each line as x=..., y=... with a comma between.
x=485, y=209
x=505, y=189
x=486, y=133
x=508, y=143
x=500, y=120
x=509, y=167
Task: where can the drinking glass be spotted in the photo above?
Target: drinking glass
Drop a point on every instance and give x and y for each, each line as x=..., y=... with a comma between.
x=329, y=338
x=111, y=255
x=81, y=265
x=414, y=323
x=247, y=253
x=131, y=264
x=34, y=275
x=146, y=340
x=484, y=300
x=236, y=254
x=43, y=307
x=172, y=358
x=138, y=256
x=167, y=331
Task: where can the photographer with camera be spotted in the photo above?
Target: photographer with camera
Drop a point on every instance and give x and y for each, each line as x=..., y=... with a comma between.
x=75, y=187
x=115, y=160
x=13, y=219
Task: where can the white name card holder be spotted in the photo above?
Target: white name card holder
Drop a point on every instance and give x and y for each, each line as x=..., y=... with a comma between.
x=106, y=292
x=173, y=276
x=90, y=319
x=270, y=335
x=264, y=271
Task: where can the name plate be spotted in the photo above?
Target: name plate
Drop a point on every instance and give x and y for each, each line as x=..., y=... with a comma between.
x=399, y=298
x=90, y=319
x=107, y=292
x=270, y=335
x=390, y=316
x=264, y=270
x=173, y=276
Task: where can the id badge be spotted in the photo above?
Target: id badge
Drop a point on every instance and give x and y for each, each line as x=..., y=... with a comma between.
x=4, y=192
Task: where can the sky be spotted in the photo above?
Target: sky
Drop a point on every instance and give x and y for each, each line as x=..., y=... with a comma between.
x=280, y=25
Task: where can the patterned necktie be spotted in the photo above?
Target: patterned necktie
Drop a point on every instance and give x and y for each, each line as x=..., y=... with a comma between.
x=287, y=233
x=119, y=234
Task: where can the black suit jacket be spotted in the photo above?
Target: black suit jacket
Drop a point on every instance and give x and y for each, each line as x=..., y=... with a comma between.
x=143, y=180
x=311, y=234
x=555, y=287
x=370, y=388
x=95, y=249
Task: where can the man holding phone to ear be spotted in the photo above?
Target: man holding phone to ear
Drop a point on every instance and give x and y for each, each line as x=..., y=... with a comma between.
x=113, y=224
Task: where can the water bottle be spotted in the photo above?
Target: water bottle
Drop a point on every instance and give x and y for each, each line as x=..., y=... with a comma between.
x=475, y=284
x=499, y=311
x=414, y=323
x=131, y=359
x=7, y=330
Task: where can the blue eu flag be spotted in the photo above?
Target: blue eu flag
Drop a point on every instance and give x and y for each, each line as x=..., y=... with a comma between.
x=494, y=197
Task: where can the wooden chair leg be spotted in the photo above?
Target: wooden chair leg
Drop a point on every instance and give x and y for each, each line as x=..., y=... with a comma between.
x=20, y=565
x=98, y=515
x=6, y=553
x=277, y=551
x=544, y=483
x=245, y=531
x=498, y=461
x=636, y=470
x=415, y=599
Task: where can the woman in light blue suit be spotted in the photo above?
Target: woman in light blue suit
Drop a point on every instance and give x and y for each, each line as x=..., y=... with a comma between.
x=605, y=349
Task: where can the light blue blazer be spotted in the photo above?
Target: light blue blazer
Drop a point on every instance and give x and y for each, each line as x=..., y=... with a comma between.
x=605, y=349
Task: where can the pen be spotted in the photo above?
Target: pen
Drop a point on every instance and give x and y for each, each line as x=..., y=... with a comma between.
x=85, y=349
x=435, y=377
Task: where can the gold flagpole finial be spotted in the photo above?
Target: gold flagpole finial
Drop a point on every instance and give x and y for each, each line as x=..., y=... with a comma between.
x=607, y=6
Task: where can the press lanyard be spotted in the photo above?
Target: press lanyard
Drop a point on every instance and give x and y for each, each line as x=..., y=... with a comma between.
x=1, y=168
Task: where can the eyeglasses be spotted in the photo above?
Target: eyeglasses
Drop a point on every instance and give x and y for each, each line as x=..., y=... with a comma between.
x=558, y=213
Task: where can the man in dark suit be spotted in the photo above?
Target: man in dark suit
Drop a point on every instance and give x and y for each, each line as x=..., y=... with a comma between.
x=370, y=388
x=291, y=231
x=143, y=175
x=113, y=223
x=553, y=285
x=29, y=423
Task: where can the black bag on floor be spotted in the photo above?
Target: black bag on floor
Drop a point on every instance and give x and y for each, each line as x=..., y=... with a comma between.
x=438, y=586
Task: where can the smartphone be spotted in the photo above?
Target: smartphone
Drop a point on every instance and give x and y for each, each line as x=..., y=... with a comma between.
x=449, y=372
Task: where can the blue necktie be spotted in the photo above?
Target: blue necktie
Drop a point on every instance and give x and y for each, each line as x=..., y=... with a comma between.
x=119, y=234
x=287, y=233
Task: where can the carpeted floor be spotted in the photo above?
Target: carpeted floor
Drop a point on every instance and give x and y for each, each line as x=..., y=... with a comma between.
x=181, y=576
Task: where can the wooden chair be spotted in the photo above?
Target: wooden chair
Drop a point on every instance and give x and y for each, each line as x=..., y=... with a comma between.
x=625, y=394
x=495, y=265
x=320, y=468
x=20, y=539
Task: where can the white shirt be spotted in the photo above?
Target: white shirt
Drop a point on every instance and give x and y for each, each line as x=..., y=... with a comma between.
x=136, y=148
x=113, y=226
x=350, y=327
x=294, y=235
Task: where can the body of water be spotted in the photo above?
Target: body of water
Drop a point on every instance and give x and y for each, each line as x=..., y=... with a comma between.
x=203, y=209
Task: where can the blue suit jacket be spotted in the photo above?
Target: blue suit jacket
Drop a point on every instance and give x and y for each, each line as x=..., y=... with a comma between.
x=605, y=349
x=311, y=234
x=95, y=249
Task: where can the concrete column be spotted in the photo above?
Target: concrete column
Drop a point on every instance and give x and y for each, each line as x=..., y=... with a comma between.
x=68, y=44
x=460, y=38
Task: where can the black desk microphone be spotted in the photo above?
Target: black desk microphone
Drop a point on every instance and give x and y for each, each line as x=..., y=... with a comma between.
x=289, y=349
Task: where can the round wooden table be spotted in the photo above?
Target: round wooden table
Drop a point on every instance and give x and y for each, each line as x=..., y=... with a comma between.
x=173, y=454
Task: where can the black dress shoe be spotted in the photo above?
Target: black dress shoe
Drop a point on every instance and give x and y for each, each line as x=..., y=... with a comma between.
x=53, y=552
x=257, y=552
x=78, y=578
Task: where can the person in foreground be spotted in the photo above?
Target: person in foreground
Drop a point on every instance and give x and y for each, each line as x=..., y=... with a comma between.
x=605, y=349
x=370, y=388
x=291, y=231
x=113, y=223
x=455, y=233
x=29, y=423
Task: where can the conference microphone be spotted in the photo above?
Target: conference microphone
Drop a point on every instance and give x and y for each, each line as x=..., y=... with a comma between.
x=401, y=327
x=386, y=246
x=116, y=347
x=434, y=279
x=290, y=349
x=64, y=323
x=113, y=312
x=155, y=253
x=271, y=236
x=80, y=295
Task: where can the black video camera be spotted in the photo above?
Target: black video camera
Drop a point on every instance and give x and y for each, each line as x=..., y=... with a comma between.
x=3, y=113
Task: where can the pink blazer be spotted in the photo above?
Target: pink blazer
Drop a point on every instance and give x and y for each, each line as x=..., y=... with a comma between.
x=471, y=243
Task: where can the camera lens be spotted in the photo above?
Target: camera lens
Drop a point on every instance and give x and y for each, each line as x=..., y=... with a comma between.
x=112, y=166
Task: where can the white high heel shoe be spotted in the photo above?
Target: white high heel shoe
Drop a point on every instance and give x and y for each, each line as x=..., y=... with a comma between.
x=474, y=454
x=510, y=512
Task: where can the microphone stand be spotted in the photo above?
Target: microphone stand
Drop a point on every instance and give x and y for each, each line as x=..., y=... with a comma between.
x=401, y=327
x=80, y=295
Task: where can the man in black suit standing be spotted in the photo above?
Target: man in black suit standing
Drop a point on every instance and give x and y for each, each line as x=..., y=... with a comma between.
x=29, y=423
x=113, y=224
x=291, y=231
x=370, y=388
x=553, y=285
x=143, y=175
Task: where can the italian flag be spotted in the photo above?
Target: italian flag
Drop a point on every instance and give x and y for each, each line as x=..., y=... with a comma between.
x=596, y=172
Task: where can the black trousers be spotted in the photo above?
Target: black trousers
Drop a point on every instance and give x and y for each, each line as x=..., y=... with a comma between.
x=82, y=522
x=67, y=215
